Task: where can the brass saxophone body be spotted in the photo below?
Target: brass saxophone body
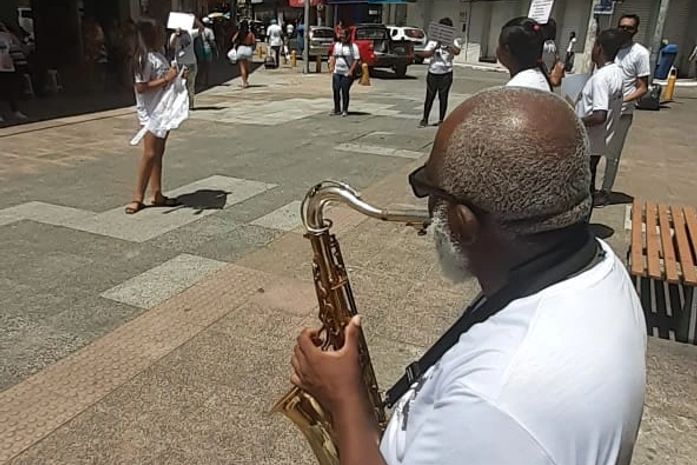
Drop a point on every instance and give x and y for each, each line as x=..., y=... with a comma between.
x=336, y=307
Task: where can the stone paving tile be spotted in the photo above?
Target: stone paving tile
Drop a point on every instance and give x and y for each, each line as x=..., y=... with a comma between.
x=285, y=218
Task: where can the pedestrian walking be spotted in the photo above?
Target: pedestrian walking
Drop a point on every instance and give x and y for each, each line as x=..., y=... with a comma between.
x=290, y=29
x=182, y=42
x=440, y=74
x=206, y=52
x=570, y=54
x=520, y=50
x=152, y=76
x=633, y=60
x=274, y=38
x=244, y=42
x=600, y=104
x=344, y=61
x=10, y=80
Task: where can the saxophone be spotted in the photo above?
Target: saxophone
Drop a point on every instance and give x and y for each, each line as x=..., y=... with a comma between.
x=336, y=307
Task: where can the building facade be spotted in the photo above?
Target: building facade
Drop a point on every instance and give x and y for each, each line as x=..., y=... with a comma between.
x=480, y=21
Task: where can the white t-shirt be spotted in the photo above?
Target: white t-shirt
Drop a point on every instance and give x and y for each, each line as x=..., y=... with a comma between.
x=155, y=67
x=603, y=91
x=345, y=55
x=556, y=378
x=634, y=63
x=184, y=47
x=289, y=29
x=532, y=78
x=442, y=59
x=275, y=35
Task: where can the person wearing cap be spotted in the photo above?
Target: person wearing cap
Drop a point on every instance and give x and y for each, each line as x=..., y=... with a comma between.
x=274, y=36
x=547, y=365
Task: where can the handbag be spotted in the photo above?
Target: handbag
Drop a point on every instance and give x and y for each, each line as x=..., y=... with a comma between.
x=232, y=55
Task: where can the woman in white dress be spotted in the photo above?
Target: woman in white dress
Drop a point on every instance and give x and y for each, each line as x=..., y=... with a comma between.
x=152, y=76
x=520, y=50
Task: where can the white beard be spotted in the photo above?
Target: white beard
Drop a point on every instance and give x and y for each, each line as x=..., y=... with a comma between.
x=453, y=261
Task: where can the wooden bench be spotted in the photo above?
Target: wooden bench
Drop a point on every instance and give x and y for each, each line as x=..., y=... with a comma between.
x=663, y=264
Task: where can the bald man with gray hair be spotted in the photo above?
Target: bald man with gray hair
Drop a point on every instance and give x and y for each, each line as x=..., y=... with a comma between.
x=546, y=366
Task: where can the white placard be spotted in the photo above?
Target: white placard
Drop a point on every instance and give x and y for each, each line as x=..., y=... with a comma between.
x=183, y=21
x=571, y=87
x=441, y=33
x=540, y=10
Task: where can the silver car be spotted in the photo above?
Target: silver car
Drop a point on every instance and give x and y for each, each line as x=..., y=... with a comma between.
x=321, y=41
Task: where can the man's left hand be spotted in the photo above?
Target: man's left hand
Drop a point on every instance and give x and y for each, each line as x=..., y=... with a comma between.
x=331, y=377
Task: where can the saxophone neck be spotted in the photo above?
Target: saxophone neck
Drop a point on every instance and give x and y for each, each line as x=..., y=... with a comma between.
x=328, y=192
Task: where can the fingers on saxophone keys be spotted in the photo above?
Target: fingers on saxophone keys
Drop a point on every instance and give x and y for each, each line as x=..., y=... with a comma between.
x=295, y=380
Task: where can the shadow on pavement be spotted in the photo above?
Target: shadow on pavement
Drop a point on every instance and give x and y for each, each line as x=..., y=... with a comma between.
x=620, y=198
x=74, y=100
x=389, y=75
x=203, y=199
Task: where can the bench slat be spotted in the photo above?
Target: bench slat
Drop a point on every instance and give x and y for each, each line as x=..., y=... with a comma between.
x=652, y=242
x=669, y=264
x=637, y=244
x=684, y=250
x=691, y=220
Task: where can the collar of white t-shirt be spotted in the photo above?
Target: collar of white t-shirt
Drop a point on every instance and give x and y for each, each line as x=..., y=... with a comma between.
x=531, y=78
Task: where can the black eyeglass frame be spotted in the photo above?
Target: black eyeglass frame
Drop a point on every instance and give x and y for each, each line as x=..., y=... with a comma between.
x=422, y=189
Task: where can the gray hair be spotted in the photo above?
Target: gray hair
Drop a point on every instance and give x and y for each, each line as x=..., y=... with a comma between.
x=523, y=156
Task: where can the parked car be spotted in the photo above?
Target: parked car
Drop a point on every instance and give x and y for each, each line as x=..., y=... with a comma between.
x=321, y=41
x=415, y=35
x=379, y=50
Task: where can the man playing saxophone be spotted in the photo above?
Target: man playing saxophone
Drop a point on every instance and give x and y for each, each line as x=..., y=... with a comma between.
x=547, y=366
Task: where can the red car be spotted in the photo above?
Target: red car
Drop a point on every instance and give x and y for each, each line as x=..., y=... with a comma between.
x=378, y=50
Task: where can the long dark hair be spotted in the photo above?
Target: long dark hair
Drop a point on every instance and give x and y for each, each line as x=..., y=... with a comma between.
x=524, y=39
x=148, y=30
x=242, y=33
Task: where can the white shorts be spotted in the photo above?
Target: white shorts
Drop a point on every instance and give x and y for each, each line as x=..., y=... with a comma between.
x=244, y=52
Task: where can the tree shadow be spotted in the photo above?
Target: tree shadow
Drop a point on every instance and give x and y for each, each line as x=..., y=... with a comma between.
x=202, y=199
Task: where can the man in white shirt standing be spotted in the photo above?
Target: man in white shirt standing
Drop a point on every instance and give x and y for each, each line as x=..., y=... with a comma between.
x=344, y=59
x=440, y=74
x=274, y=34
x=633, y=59
x=548, y=366
x=600, y=103
x=182, y=43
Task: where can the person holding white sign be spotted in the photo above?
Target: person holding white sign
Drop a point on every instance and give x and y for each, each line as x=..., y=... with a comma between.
x=182, y=42
x=600, y=105
x=440, y=74
x=153, y=75
x=520, y=50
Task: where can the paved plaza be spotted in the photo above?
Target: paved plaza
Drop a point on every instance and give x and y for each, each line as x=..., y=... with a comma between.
x=165, y=337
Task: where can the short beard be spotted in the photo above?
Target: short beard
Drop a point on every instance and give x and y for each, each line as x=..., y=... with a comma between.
x=453, y=261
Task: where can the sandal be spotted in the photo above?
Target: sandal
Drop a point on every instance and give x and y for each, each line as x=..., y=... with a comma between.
x=130, y=209
x=165, y=202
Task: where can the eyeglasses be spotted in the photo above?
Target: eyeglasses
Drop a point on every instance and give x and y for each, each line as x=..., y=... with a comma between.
x=627, y=28
x=423, y=188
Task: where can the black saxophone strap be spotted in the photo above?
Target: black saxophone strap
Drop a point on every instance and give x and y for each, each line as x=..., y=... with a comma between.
x=550, y=268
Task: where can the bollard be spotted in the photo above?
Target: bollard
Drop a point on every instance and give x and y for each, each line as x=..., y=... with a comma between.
x=293, y=59
x=669, y=92
x=318, y=68
x=365, y=75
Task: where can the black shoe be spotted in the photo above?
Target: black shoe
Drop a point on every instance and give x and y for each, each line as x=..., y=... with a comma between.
x=423, y=123
x=344, y=114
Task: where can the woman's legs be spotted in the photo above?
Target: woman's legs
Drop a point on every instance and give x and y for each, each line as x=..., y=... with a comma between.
x=145, y=168
x=431, y=88
x=345, y=91
x=336, y=89
x=156, y=172
x=443, y=93
x=244, y=72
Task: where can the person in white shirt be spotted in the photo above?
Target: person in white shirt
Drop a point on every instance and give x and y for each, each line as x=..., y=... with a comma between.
x=570, y=54
x=152, y=76
x=440, y=74
x=344, y=59
x=274, y=36
x=633, y=59
x=182, y=43
x=520, y=50
x=600, y=103
x=548, y=366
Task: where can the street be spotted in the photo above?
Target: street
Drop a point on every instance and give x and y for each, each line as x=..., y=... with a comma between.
x=165, y=337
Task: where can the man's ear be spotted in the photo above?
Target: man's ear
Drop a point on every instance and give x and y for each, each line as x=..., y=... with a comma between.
x=464, y=225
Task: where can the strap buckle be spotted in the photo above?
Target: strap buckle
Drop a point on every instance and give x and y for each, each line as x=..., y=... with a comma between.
x=413, y=372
